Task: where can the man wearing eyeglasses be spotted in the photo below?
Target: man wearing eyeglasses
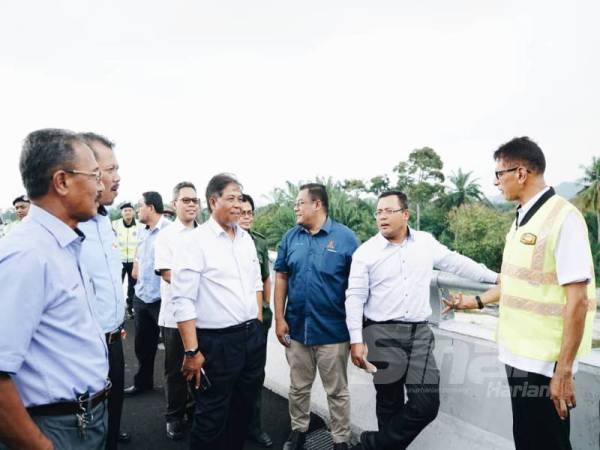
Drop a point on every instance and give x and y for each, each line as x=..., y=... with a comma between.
x=53, y=355
x=387, y=302
x=547, y=299
x=255, y=430
x=313, y=262
x=186, y=205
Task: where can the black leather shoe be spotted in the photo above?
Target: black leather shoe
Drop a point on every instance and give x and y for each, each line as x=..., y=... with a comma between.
x=124, y=437
x=262, y=438
x=175, y=430
x=367, y=440
x=340, y=446
x=295, y=441
x=134, y=390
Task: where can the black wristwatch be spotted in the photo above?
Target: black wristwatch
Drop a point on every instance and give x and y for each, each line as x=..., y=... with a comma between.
x=480, y=304
x=192, y=353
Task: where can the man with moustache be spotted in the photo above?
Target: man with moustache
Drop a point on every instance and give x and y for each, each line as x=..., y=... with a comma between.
x=21, y=205
x=217, y=303
x=387, y=301
x=255, y=431
x=53, y=356
x=147, y=292
x=127, y=234
x=313, y=262
x=547, y=299
x=186, y=205
x=100, y=253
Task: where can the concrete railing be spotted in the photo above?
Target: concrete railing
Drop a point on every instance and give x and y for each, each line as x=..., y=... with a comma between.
x=475, y=410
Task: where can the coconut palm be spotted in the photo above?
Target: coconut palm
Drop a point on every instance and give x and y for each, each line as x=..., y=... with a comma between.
x=463, y=190
x=588, y=198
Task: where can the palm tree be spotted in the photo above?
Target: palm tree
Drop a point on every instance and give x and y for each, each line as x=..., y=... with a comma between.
x=463, y=190
x=588, y=199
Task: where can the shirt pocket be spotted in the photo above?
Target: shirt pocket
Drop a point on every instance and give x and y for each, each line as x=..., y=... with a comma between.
x=333, y=263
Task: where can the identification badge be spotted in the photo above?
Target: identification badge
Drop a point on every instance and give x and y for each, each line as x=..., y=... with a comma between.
x=528, y=239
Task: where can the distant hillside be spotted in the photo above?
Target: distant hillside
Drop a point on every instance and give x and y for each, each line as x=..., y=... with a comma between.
x=566, y=189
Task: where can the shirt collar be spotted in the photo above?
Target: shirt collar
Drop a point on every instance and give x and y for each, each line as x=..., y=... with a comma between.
x=524, y=209
x=325, y=228
x=102, y=210
x=383, y=242
x=179, y=226
x=162, y=222
x=218, y=229
x=64, y=234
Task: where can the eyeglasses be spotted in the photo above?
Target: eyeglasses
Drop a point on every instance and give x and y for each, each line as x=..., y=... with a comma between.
x=248, y=213
x=301, y=203
x=97, y=175
x=387, y=212
x=188, y=200
x=499, y=173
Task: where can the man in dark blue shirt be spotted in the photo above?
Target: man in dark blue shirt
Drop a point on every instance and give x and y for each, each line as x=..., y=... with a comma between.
x=313, y=263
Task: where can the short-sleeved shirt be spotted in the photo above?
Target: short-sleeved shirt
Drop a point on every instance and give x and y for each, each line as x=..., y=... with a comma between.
x=262, y=251
x=317, y=267
x=51, y=342
x=147, y=287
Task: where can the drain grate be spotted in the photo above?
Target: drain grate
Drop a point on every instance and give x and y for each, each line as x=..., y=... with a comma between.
x=318, y=440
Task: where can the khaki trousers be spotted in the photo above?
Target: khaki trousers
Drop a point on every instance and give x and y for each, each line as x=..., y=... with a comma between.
x=332, y=362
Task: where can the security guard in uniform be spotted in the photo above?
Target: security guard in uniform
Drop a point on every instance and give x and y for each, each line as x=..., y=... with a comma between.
x=21, y=205
x=127, y=234
x=547, y=299
x=255, y=431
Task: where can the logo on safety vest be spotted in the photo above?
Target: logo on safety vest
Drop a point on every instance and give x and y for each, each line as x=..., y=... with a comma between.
x=528, y=239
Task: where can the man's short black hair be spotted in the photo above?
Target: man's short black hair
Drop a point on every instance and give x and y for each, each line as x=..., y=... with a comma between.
x=522, y=150
x=247, y=198
x=317, y=191
x=89, y=138
x=44, y=152
x=21, y=199
x=402, y=198
x=179, y=186
x=153, y=198
x=217, y=185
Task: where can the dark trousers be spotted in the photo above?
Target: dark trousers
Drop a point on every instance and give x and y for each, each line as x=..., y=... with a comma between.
x=127, y=269
x=176, y=387
x=255, y=425
x=536, y=424
x=235, y=362
x=403, y=354
x=116, y=373
x=146, y=341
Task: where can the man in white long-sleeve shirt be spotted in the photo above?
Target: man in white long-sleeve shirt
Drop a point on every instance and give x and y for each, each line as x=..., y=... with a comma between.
x=387, y=305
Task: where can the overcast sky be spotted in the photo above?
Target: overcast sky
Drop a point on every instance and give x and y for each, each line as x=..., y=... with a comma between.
x=279, y=90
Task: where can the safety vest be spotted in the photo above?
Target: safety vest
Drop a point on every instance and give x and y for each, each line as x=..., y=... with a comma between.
x=532, y=303
x=128, y=239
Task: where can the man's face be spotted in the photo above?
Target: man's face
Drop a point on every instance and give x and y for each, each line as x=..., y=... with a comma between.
x=305, y=208
x=21, y=209
x=391, y=218
x=187, y=205
x=127, y=214
x=110, y=172
x=508, y=181
x=84, y=189
x=246, y=216
x=226, y=208
x=144, y=211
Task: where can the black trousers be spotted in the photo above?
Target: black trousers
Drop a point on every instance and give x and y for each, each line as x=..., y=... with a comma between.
x=176, y=387
x=235, y=365
x=255, y=424
x=147, y=332
x=403, y=354
x=127, y=269
x=536, y=424
x=116, y=373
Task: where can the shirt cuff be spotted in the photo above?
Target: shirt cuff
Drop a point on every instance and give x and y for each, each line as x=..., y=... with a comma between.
x=183, y=309
x=489, y=277
x=356, y=336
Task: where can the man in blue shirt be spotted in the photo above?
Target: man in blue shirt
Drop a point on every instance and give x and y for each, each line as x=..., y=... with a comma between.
x=313, y=263
x=146, y=303
x=53, y=356
x=100, y=253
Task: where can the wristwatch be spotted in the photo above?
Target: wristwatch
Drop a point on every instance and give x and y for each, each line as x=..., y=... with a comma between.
x=192, y=353
x=480, y=304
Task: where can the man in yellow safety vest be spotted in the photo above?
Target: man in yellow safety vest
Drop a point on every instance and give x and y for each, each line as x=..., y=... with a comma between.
x=127, y=234
x=547, y=299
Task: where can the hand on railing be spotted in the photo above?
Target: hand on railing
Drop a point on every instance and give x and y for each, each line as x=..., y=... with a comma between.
x=459, y=301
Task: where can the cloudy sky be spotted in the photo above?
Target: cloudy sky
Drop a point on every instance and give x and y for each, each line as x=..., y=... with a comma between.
x=280, y=90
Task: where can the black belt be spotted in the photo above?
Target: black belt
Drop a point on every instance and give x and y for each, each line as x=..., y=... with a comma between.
x=232, y=329
x=368, y=322
x=114, y=336
x=66, y=408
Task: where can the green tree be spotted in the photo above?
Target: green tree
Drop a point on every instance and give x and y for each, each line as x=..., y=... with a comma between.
x=379, y=184
x=354, y=186
x=588, y=199
x=463, y=189
x=421, y=178
x=479, y=232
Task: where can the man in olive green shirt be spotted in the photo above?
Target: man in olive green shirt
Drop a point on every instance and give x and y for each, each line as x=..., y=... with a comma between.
x=255, y=431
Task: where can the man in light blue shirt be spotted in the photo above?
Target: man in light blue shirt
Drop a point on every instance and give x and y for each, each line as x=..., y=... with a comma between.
x=100, y=253
x=146, y=303
x=53, y=356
